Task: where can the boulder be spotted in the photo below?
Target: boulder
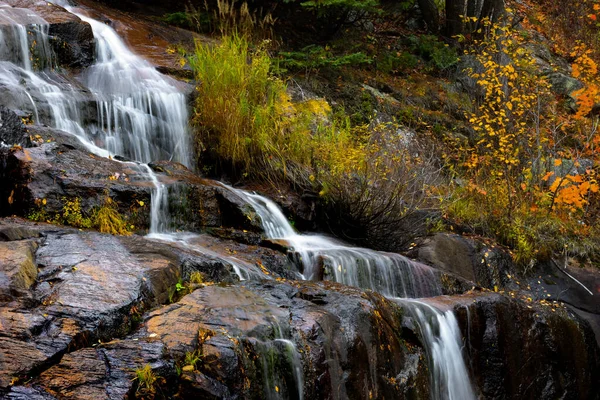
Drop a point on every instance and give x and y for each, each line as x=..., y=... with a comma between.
x=282, y=339
x=65, y=289
x=17, y=269
x=473, y=259
x=12, y=130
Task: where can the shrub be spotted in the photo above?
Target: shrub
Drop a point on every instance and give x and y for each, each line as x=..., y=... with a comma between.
x=397, y=62
x=437, y=53
x=146, y=380
x=105, y=218
x=314, y=58
x=335, y=14
x=108, y=220
x=516, y=190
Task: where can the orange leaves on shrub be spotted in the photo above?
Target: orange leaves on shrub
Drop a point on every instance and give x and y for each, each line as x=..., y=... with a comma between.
x=572, y=191
x=586, y=70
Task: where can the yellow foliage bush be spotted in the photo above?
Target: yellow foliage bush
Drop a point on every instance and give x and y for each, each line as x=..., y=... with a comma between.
x=245, y=116
x=105, y=218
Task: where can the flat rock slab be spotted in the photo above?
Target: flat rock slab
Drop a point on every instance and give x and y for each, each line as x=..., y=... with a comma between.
x=260, y=339
x=256, y=339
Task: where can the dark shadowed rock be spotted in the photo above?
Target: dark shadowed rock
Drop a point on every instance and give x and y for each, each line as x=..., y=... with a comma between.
x=12, y=131
x=60, y=169
x=107, y=371
x=529, y=350
x=246, y=330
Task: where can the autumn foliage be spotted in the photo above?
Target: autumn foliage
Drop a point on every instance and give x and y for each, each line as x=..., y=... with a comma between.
x=531, y=167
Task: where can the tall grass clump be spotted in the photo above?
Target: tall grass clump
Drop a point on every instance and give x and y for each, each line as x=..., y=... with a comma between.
x=245, y=117
x=237, y=103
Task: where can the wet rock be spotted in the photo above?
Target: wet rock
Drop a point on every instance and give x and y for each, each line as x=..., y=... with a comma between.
x=488, y=265
x=64, y=289
x=17, y=229
x=529, y=350
x=41, y=180
x=107, y=371
x=12, y=131
x=246, y=330
x=572, y=284
x=28, y=393
x=73, y=40
x=97, y=290
x=17, y=268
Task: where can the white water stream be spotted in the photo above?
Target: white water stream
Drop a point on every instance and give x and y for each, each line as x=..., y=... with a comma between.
x=142, y=115
x=387, y=273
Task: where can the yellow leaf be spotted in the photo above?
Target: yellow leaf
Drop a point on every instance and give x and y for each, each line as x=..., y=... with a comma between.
x=557, y=162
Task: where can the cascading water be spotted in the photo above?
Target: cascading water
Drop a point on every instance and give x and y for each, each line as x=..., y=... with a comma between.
x=281, y=366
x=24, y=38
x=441, y=336
x=389, y=274
x=142, y=115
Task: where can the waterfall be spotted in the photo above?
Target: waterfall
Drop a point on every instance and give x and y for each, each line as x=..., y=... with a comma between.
x=281, y=365
x=142, y=115
x=24, y=38
x=393, y=276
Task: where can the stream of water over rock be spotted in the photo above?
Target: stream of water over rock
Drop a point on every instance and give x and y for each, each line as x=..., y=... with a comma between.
x=142, y=115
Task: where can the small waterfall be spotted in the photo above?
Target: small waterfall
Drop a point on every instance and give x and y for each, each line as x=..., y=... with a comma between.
x=387, y=273
x=442, y=339
x=281, y=366
x=159, y=207
x=24, y=38
x=393, y=276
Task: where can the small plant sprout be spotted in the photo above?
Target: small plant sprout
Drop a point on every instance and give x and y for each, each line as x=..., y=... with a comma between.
x=146, y=379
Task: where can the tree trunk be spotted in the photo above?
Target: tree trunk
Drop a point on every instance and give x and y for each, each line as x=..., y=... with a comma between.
x=492, y=9
x=455, y=12
x=431, y=15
